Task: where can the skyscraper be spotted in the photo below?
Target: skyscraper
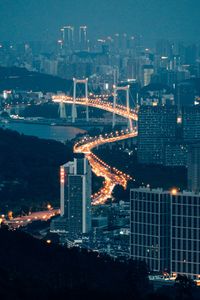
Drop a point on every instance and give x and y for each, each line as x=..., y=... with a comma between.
x=165, y=230
x=148, y=71
x=191, y=123
x=164, y=48
x=157, y=126
x=68, y=37
x=194, y=168
x=150, y=234
x=185, y=92
x=83, y=42
x=75, y=195
x=185, y=234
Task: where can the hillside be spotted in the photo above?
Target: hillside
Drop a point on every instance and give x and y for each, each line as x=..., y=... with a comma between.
x=33, y=269
x=29, y=171
x=20, y=79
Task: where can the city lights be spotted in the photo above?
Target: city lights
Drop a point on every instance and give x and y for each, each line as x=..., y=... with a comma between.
x=112, y=176
x=174, y=191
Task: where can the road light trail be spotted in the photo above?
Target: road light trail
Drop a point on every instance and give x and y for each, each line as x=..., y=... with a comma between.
x=35, y=216
x=111, y=175
x=100, y=104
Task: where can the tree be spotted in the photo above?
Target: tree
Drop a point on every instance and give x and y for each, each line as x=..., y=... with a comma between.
x=184, y=287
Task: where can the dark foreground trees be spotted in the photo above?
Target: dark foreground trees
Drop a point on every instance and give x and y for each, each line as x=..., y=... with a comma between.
x=29, y=170
x=33, y=269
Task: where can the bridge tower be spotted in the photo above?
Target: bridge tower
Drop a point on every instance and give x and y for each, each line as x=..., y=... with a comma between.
x=62, y=110
x=85, y=82
x=126, y=89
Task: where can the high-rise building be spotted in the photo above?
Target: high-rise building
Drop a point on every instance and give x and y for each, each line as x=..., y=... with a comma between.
x=164, y=48
x=133, y=67
x=185, y=93
x=124, y=42
x=157, y=126
x=191, y=54
x=148, y=71
x=116, y=42
x=165, y=230
x=185, y=234
x=191, y=123
x=75, y=197
x=150, y=234
x=176, y=153
x=193, y=165
x=68, y=37
x=83, y=42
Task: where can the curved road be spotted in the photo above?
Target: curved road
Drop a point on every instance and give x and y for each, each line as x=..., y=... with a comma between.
x=98, y=103
x=111, y=175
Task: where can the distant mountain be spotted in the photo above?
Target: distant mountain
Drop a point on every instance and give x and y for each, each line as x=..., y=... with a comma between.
x=20, y=79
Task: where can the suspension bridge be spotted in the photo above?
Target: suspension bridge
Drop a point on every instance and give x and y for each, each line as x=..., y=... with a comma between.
x=112, y=176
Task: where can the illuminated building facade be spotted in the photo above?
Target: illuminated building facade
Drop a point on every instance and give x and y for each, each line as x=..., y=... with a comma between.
x=148, y=71
x=157, y=126
x=165, y=230
x=68, y=37
x=75, y=195
x=83, y=43
x=193, y=165
x=176, y=153
x=150, y=234
x=185, y=234
x=191, y=123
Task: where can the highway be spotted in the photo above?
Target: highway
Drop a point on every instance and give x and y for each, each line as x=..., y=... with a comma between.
x=100, y=104
x=35, y=216
x=112, y=176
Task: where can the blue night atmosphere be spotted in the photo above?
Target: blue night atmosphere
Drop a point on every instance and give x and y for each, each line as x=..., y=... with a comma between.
x=99, y=149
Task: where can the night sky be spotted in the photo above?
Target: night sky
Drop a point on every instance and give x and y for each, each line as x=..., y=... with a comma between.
x=41, y=19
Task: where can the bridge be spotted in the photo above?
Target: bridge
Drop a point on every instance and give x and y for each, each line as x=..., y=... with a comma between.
x=97, y=102
x=120, y=110
x=112, y=176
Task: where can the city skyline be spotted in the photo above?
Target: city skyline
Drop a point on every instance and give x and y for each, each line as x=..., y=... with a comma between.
x=100, y=147
x=171, y=20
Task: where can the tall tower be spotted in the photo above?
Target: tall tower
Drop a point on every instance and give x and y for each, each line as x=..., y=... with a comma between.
x=157, y=125
x=68, y=37
x=75, y=195
x=116, y=42
x=150, y=227
x=191, y=123
x=62, y=110
x=83, y=38
x=194, y=168
x=85, y=82
x=148, y=71
x=126, y=89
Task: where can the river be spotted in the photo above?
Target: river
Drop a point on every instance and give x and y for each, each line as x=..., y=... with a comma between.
x=59, y=133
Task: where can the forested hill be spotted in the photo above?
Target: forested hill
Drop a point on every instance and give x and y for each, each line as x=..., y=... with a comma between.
x=29, y=170
x=20, y=79
x=32, y=269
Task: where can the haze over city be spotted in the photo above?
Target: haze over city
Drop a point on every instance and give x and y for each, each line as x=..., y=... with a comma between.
x=152, y=19
x=99, y=149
